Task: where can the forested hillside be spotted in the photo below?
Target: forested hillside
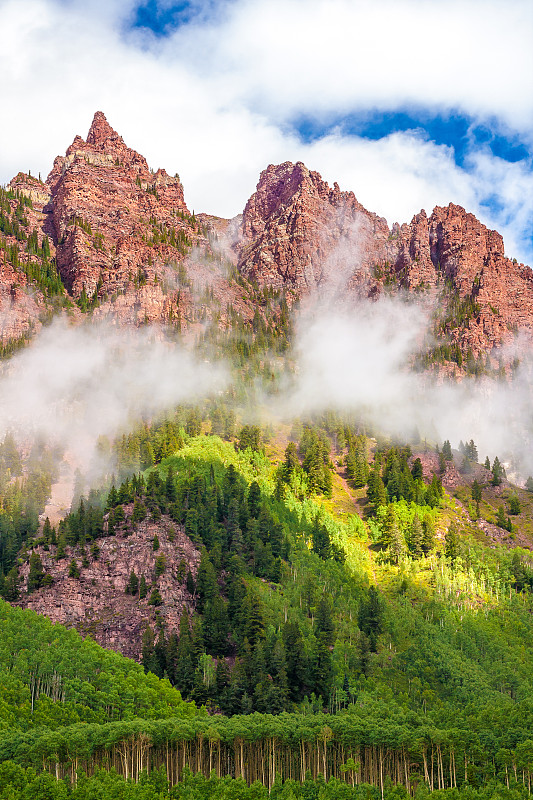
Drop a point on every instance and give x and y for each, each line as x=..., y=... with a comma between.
x=355, y=623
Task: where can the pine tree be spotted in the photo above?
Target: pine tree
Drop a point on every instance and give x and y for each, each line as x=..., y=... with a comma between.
x=36, y=573
x=322, y=670
x=370, y=617
x=392, y=537
x=160, y=565
x=501, y=519
x=73, y=570
x=148, y=657
x=476, y=495
x=428, y=539
x=143, y=589
x=447, y=450
x=325, y=628
x=185, y=660
x=47, y=531
x=514, y=505
x=155, y=598
x=206, y=582
x=417, y=471
x=254, y=499
x=254, y=625
x=498, y=472
x=216, y=627
x=189, y=583
x=132, y=587
x=139, y=511
x=296, y=661
x=452, y=543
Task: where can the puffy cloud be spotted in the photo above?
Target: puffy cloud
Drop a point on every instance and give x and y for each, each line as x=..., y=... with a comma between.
x=214, y=100
x=339, y=54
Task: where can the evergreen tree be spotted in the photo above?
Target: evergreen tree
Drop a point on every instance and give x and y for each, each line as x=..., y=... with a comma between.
x=476, y=495
x=392, y=537
x=155, y=598
x=132, y=587
x=447, y=450
x=254, y=499
x=160, y=565
x=320, y=540
x=416, y=538
x=148, y=656
x=370, y=617
x=47, y=531
x=428, y=539
x=322, y=670
x=325, y=628
x=501, y=519
x=206, y=582
x=514, y=505
x=452, y=543
x=143, y=589
x=73, y=570
x=139, y=511
x=296, y=661
x=189, y=583
x=36, y=573
x=291, y=462
x=185, y=658
x=254, y=625
x=498, y=472
x=216, y=627
x=417, y=471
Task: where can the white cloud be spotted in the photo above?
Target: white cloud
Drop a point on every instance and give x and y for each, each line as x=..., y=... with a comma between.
x=358, y=362
x=337, y=54
x=212, y=102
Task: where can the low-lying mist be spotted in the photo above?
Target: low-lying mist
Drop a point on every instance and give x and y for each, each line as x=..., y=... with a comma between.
x=74, y=384
x=358, y=359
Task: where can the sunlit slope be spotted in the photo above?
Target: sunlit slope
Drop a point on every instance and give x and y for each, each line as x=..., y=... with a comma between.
x=51, y=677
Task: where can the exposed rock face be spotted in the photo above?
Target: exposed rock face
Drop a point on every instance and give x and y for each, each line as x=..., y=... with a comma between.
x=19, y=308
x=121, y=233
x=106, y=205
x=297, y=231
x=96, y=603
x=126, y=245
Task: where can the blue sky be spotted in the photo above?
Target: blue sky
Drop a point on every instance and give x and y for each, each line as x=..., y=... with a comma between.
x=162, y=18
x=409, y=103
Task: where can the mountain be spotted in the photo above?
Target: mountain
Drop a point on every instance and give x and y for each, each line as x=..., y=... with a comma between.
x=299, y=232
x=121, y=241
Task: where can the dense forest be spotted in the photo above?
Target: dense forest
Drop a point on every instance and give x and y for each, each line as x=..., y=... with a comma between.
x=380, y=653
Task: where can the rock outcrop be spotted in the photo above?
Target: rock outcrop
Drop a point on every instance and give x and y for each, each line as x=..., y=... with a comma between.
x=96, y=603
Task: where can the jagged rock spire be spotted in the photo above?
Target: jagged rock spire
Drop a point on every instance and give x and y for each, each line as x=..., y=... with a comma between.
x=101, y=131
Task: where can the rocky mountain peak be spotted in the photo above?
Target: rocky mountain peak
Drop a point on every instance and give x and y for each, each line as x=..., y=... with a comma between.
x=295, y=226
x=101, y=131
